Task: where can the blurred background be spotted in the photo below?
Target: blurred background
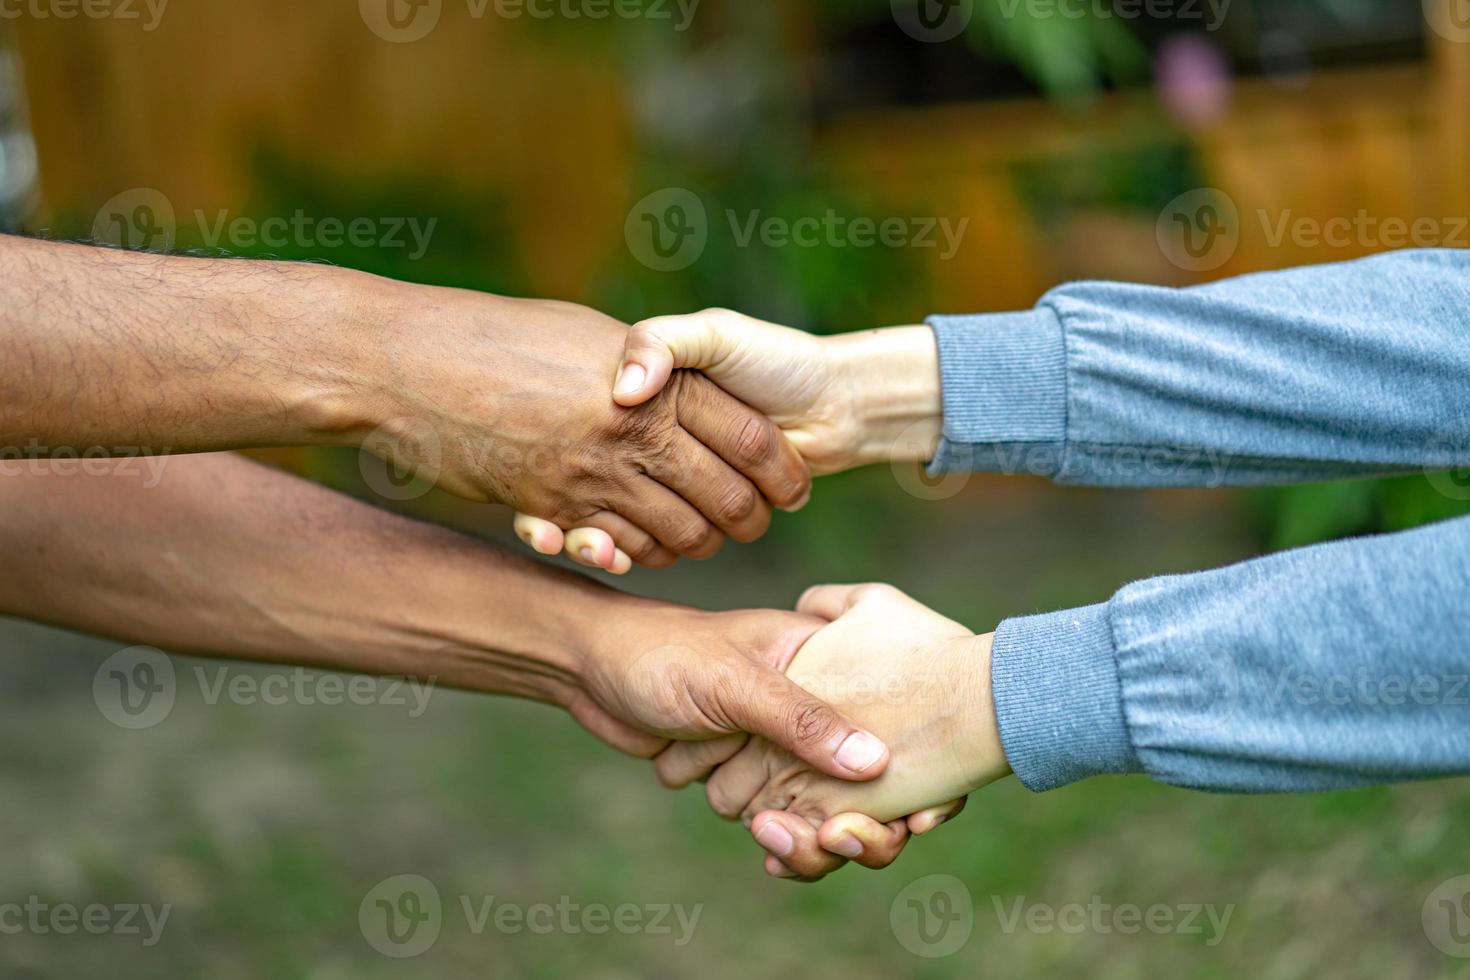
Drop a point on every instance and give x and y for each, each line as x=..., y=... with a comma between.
x=627, y=154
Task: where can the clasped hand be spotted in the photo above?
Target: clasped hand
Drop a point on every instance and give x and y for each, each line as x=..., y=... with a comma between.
x=917, y=680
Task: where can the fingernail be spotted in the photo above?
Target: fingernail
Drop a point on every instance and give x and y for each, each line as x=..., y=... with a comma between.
x=587, y=554
x=859, y=751
x=848, y=846
x=937, y=822
x=775, y=838
x=806, y=498
x=630, y=379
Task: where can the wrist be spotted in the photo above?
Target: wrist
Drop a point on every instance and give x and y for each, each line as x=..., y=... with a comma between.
x=540, y=636
x=339, y=388
x=979, y=732
x=897, y=408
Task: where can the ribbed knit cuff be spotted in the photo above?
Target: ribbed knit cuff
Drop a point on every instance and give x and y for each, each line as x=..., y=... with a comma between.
x=1004, y=378
x=1058, y=699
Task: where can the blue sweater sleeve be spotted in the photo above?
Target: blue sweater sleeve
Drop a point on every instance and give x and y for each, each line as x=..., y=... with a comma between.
x=1342, y=665
x=1333, y=371
x=1328, y=667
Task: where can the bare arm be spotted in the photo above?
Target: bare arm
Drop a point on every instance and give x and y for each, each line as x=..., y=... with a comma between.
x=227, y=558
x=128, y=351
x=493, y=398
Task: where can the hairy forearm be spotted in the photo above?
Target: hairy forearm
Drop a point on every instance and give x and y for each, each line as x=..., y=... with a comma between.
x=228, y=558
x=106, y=352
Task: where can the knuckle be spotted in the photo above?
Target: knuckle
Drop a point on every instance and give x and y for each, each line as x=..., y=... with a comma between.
x=811, y=722
x=874, y=592
x=721, y=801
x=641, y=550
x=647, y=425
x=756, y=441
x=737, y=503
x=689, y=537
x=718, y=316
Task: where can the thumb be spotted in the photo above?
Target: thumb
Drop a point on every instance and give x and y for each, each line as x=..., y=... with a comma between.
x=655, y=348
x=774, y=707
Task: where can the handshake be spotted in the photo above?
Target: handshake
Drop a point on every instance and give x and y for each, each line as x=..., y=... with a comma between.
x=644, y=445
x=834, y=731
